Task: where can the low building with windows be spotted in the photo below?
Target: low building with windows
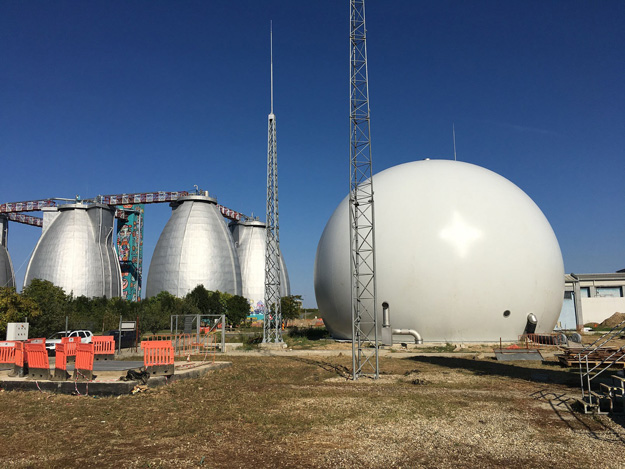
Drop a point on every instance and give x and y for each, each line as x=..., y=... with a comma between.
x=591, y=298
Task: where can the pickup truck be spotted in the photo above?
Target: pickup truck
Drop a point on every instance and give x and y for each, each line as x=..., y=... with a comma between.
x=85, y=338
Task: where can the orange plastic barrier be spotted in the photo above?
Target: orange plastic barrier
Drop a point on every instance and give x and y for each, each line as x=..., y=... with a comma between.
x=7, y=352
x=84, y=362
x=184, y=344
x=103, y=347
x=37, y=357
x=70, y=345
x=60, y=362
x=21, y=365
x=158, y=357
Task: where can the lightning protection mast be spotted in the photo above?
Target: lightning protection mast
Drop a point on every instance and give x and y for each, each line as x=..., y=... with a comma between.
x=361, y=215
x=272, y=330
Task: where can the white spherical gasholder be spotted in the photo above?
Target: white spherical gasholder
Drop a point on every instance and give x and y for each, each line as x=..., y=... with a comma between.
x=462, y=254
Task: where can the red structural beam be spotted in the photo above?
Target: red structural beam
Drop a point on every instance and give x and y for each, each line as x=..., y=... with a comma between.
x=25, y=219
x=158, y=197
x=119, y=199
x=29, y=206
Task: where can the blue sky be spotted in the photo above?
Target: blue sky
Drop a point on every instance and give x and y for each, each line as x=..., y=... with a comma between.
x=111, y=97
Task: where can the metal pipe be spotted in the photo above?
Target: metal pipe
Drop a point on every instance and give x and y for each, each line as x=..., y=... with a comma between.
x=386, y=317
x=412, y=332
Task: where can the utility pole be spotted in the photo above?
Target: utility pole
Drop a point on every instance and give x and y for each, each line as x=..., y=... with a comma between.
x=272, y=323
x=365, y=359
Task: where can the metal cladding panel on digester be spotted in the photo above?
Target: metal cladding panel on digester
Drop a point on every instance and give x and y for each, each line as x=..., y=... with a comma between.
x=76, y=253
x=195, y=248
x=250, y=241
x=7, y=276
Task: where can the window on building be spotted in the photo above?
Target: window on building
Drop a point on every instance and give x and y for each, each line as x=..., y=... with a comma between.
x=609, y=292
x=584, y=292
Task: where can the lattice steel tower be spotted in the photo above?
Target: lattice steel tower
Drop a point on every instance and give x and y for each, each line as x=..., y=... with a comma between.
x=272, y=330
x=361, y=214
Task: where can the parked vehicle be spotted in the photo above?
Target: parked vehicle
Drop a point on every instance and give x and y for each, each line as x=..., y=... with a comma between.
x=85, y=338
x=128, y=338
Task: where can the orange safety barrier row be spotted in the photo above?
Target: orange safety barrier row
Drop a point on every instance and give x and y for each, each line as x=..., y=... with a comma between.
x=60, y=362
x=7, y=352
x=37, y=357
x=158, y=357
x=83, y=368
x=103, y=345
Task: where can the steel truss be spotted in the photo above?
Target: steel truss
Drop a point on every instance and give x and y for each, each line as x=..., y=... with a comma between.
x=361, y=214
x=272, y=323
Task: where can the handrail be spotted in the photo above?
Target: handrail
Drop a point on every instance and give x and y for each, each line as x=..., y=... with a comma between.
x=611, y=334
x=611, y=331
x=605, y=360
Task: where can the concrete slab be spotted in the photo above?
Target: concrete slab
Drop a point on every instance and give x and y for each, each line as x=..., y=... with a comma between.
x=518, y=355
x=107, y=382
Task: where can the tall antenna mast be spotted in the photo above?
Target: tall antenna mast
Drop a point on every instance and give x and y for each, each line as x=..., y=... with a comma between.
x=272, y=323
x=361, y=215
x=453, y=129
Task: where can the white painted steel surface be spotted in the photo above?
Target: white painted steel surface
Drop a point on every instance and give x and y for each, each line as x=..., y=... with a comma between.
x=250, y=241
x=194, y=248
x=75, y=252
x=457, y=246
x=7, y=277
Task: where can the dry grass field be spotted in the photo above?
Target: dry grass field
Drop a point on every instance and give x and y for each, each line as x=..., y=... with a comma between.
x=294, y=411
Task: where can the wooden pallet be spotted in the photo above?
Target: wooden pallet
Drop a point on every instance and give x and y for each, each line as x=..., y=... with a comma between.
x=570, y=357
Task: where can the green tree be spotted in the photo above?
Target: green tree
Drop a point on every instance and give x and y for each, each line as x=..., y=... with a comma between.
x=154, y=313
x=215, y=303
x=54, y=305
x=199, y=298
x=237, y=309
x=291, y=306
x=15, y=308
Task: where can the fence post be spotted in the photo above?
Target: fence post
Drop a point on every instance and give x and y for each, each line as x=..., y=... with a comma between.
x=223, y=333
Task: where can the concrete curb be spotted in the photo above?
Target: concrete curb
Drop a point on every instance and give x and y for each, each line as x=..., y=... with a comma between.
x=113, y=387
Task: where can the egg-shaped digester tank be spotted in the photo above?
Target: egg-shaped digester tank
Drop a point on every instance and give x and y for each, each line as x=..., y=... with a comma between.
x=250, y=238
x=76, y=252
x=462, y=254
x=195, y=248
x=7, y=276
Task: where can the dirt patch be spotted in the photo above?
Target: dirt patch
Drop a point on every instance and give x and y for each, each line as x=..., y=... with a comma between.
x=613, y=320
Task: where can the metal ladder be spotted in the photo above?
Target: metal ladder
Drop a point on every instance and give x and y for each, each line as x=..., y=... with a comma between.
x=602, y=402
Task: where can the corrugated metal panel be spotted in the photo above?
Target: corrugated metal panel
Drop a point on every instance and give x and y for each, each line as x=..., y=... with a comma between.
x=250, y=241
x=194, y=248
x=75, y=252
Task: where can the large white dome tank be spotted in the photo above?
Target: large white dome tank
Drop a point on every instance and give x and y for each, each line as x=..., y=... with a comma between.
x=462, y=254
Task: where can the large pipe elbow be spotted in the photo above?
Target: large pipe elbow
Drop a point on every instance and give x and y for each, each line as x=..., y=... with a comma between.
x=412, y=332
